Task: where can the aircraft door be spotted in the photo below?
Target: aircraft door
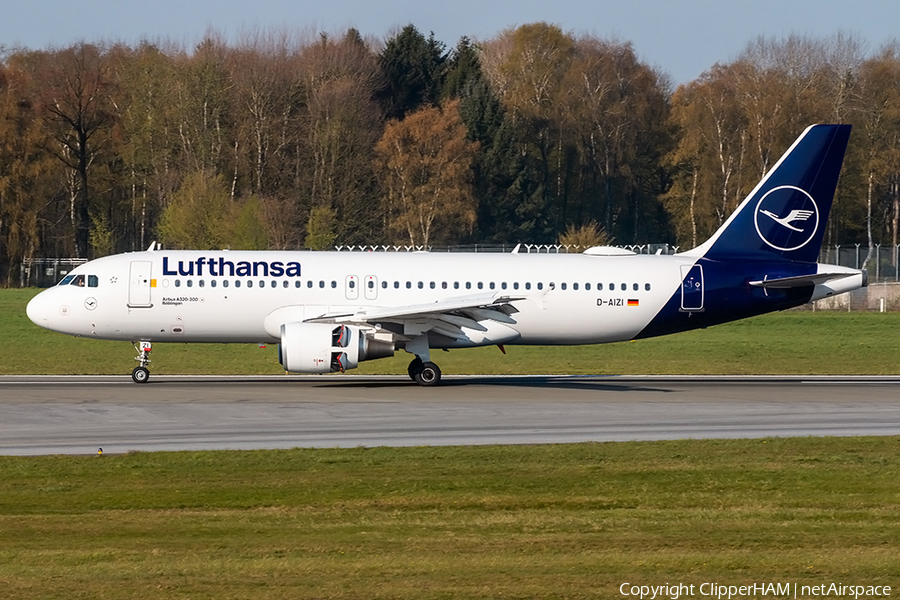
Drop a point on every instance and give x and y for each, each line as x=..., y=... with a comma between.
x=139, y=284
x=351, y=287
x=371, y=289
x=692, y=288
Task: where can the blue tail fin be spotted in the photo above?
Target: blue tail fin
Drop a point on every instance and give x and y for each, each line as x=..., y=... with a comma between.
x=785, y=215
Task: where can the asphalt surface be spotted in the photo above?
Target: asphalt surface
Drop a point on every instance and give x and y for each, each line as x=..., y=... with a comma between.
x=78, y=415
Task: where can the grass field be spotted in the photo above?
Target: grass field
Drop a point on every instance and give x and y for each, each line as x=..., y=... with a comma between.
x=792, y=342
x=568, y=521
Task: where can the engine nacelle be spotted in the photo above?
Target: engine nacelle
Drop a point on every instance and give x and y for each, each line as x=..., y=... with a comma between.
x=325, y=347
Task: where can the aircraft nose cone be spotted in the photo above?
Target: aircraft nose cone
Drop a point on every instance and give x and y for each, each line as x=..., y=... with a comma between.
x=37, y=310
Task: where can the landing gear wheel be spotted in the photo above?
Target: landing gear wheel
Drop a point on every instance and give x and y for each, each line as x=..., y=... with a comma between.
x=429, y=375
x=140, y=374
x=415, y=367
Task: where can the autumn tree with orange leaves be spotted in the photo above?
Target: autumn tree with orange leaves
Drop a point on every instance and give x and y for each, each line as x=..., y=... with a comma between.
x=424, y=166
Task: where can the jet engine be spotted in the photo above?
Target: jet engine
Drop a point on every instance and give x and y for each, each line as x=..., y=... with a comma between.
x=326, y=347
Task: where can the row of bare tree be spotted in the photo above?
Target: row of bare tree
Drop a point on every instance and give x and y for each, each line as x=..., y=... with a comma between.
x=279, y=141
x=735, y=120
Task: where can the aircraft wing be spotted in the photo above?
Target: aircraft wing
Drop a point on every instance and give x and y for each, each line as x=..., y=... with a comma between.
x=447, y=317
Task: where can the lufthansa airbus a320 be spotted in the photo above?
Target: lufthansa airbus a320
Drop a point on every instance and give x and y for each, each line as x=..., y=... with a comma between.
x=328, y=311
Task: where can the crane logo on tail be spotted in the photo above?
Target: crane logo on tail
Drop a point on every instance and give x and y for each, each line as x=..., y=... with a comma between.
x=794, y=215
x=799, y=222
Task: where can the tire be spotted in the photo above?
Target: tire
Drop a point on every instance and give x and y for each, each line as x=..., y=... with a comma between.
x=429, y=375
x=140, y=374
x=415, y=367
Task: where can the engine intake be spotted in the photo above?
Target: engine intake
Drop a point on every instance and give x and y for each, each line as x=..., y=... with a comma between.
x=326, y=348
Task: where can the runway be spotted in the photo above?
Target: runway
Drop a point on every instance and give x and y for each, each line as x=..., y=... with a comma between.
x=78, y=415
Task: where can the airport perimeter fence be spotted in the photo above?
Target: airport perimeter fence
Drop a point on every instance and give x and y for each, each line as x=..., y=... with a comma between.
x=503, y=248
x=46, y=272
x=882, y=263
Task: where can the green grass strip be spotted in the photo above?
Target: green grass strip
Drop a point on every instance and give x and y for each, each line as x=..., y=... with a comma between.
x=563, y=521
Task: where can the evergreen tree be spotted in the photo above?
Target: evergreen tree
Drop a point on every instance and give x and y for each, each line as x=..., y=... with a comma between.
x=462, y=67
x=413, y=67
x=504, y=186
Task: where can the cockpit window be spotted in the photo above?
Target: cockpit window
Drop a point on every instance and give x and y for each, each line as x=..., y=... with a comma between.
x=67, y=280
x=93, y=281
x=78, y=280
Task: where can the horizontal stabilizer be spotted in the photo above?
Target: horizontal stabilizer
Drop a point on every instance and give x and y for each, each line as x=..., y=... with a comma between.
x=800, y=281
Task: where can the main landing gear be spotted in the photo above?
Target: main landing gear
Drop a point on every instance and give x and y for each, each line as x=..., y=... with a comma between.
x=424, y=373
x=421, y=369
x=141, y=374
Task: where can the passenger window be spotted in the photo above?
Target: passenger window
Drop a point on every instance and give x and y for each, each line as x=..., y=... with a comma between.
x=275, y=283
x=612, y=287
x=480, y=285
x=297, y=283
x=421, y=285
x=93, y=281
x=540, y=285
x=177, y=283
x=599, y=287
x=334, y=284
x=321, y=284
x=492, y=285
x=635, y=287
x=371, y=285
x=201, y=283
x=455, y=285
x=309, y=283
x=624, y=287
x=237, y=283
x=249, y=284
x=351, y=284
x=515, y=285
x=647, y=286
x=224, y=283
x=431, y=285
x=212, y=283
x=468, y=285
x=503, y=286
x=563, y=286
x=396, y=285
x=587, y=286
x=384, y=285
x=527, y=285
x=574, y=286
x=443, y=285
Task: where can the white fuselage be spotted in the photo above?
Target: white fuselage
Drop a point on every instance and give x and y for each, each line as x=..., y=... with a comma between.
x=565, y=298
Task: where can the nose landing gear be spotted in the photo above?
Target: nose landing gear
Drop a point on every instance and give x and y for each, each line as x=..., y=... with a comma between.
x=141, y=373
